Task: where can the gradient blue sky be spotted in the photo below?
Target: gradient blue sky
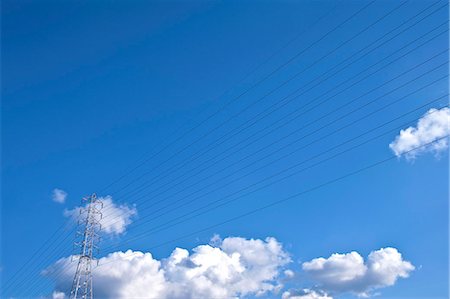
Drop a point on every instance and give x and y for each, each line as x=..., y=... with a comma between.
x=89, y=87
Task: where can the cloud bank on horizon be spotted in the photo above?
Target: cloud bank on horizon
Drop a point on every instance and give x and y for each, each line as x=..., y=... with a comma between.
x=433, y=125
x=231, y=268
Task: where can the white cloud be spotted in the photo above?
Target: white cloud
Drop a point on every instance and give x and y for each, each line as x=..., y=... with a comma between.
x=58, y=295
x=336, y=270
x=59, y=195
x=341, y=273
x=305, y=294
x=289, y=274
x=433, y=125
x=236, y=267
x=115, y=218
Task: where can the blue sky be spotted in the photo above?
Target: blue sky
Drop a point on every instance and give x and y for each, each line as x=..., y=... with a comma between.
x=91, y=87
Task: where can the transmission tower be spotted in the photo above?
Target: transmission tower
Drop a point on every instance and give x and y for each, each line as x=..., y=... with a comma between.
x=87, y=238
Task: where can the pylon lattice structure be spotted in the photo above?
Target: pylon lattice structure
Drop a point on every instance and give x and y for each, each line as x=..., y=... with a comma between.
x=87, y=240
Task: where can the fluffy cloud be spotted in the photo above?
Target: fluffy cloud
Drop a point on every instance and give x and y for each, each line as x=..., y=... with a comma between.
x=433, y=125
x=115, y=218
x=305, y=294
x=341, y=273
x=59, y=195
x=233, y=267
x=58, y=295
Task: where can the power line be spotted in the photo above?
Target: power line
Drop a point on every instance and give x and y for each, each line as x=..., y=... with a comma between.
x=223, y=107
x=46, y=244
x=434, y=141
x=226, y=156
x=247, y=90
x=272, y=175
x=342, y=106
x=345, y=42
x=273, y=72
x=383, y=125
x=315, y=131
x=282, y=84
x=291, y=197
x=169, y=224
x=390, y=122
x=201, y=152
x=145, y=186
x=328, y=124
x=304, y=192
x=348, y=141
x=190, y=160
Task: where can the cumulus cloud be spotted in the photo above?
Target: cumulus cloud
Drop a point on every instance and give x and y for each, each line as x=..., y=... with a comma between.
x=305, y=294
x=59, y=195
x=342, y=273
x=289, y=274
x=58, y=295
x=115, y=218
x=235, y=267
x=433, y=125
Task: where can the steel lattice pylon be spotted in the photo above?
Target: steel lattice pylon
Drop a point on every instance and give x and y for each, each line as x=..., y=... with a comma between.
x=90, y=217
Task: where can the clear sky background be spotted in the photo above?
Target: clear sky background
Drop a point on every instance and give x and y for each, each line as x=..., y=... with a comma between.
x=91, y=87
